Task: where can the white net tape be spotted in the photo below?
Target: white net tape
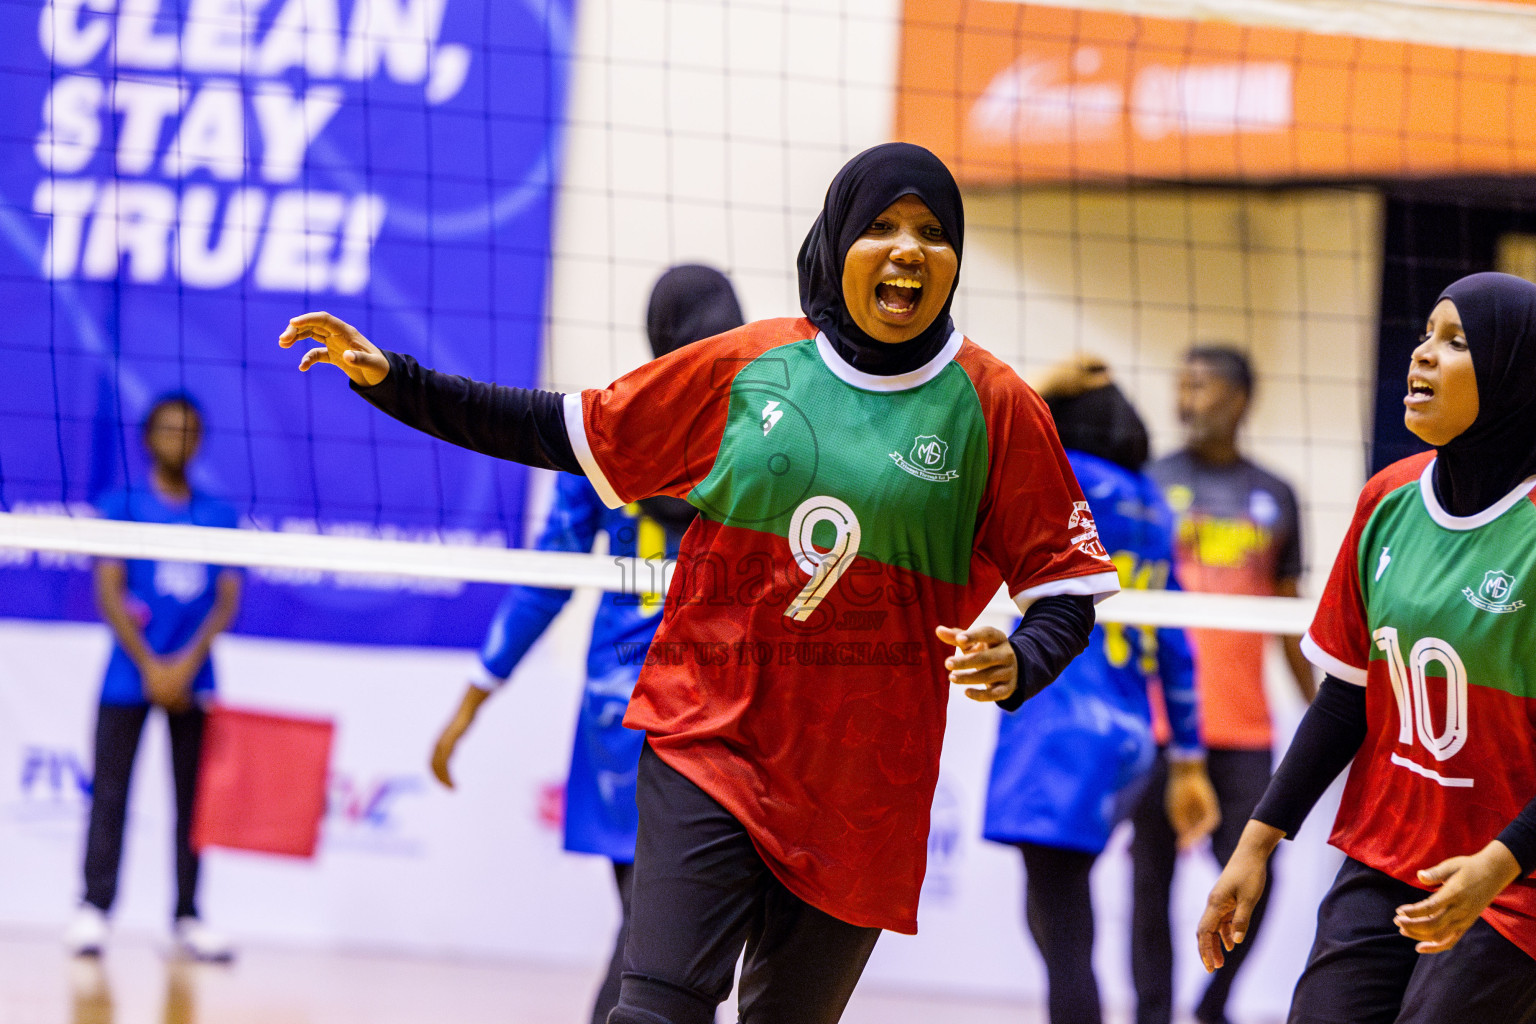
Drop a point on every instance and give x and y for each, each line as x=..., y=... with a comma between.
x=256, y=549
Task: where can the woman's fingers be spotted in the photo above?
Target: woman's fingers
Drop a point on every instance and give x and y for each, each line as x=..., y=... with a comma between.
x=1228, y=910
x=1425, y=909
x=1441, y=872
x=1236, y=929
x=953, y=637
x=1438, y=935
x=984, y=661
x=312, y=325
x=978, y=661
x=993, y=693
x=1428, y=921
x=344, y=347
x=974, y=639
x=313, y=356
x=321, y=327
x=1212, y=921
x=1436, y=947
x=990, y=665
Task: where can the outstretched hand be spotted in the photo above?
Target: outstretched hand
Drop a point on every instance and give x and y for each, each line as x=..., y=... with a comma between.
x=985, y=662
x=341, y=345
x=1464, y=886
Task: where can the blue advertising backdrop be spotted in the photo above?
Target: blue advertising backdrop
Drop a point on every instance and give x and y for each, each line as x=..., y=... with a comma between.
x=179, y=177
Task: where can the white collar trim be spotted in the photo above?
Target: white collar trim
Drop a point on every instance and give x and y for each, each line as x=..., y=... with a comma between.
x=901, y=381
x=1483, y=518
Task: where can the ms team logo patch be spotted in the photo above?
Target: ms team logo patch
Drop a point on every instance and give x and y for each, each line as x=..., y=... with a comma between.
x=1494, y=594
x=927, y=458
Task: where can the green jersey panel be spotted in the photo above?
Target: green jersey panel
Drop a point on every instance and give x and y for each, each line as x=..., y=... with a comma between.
x=1425, y=580
x=911, y=464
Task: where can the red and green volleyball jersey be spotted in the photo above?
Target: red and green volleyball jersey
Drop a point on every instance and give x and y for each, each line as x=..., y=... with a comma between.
x=796, y=677
x=1433, y=615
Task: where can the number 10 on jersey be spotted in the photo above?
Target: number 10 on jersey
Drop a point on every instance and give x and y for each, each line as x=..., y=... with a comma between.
x=1410, y=686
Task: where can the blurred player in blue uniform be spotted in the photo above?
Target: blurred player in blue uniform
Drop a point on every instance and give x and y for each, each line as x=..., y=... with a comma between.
x=1071, y=761
x=688, y=303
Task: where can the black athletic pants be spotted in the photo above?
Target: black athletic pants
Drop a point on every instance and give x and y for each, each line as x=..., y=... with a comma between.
x=1239, y=777
x=118, y=728
x=1362, y=971
x=701, y=894
x=1059, y=912
x=608, y=994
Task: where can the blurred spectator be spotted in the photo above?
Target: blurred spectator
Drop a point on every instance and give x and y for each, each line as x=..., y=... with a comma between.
x=1238, y=533
x=164, y=617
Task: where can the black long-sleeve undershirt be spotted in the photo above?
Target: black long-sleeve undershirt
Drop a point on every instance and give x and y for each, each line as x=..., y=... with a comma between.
x=1328, y=738
x=1326, y=741
x=518, y=424
x=1054, y=630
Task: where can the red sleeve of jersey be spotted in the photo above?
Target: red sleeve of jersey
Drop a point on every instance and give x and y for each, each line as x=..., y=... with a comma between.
x=1033, y=524
x=1339, y=640
x=657, y=429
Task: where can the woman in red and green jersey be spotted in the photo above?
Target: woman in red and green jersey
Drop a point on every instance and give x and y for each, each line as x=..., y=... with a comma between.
x=866, y=478
x=1431, y=690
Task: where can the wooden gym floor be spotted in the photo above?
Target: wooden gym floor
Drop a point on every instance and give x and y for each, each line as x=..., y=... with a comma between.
x=136, y=983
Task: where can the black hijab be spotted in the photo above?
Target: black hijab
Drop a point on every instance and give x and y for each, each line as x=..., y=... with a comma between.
x=1485, y=462
x=865, y=186
x=1101, y=422
x=690, y=303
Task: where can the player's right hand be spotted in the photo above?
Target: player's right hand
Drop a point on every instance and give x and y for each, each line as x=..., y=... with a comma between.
x=341, y=345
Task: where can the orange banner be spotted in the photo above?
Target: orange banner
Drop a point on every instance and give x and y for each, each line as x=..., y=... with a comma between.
x=1010, y=92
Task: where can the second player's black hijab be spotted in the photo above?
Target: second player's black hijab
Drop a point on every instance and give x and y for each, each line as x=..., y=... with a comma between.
x=1101, y=422
x=865, y=186
x=689, y=303
x=1485, y=462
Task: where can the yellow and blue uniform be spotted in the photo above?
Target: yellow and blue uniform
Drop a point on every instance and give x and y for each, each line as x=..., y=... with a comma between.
x=600, y=815
x=1068, y=761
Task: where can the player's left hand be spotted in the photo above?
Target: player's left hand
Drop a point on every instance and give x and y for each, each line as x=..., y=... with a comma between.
x=985, y=662
x=1464, y=886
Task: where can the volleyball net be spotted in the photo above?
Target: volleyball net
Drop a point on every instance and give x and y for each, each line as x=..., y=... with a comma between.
x=494, y=187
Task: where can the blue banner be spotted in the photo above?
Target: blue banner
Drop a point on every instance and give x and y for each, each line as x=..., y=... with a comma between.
x=179, y=177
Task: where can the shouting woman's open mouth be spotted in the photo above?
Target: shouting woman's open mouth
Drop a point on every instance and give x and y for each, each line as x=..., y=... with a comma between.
x=898, y=297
